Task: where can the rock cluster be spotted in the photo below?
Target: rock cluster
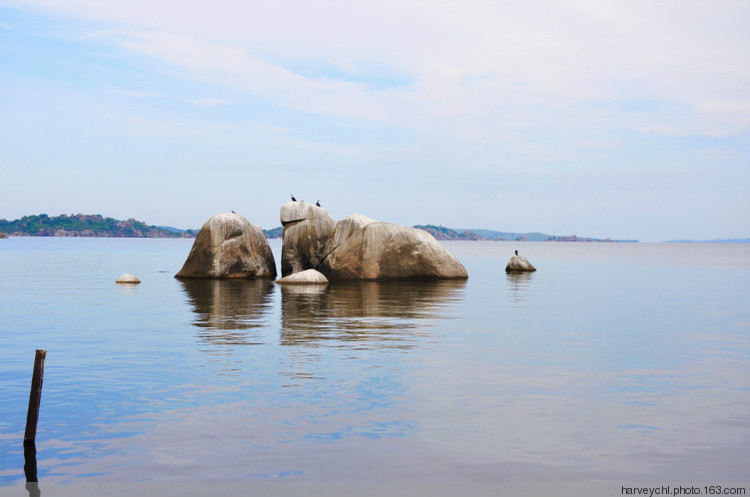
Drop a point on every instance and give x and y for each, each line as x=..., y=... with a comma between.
x=360, y=248
x=315, y=249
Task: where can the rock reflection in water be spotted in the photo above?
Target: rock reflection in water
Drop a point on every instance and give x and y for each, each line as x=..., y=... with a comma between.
x=518, y=284
x=226, y=309
x=367, y=312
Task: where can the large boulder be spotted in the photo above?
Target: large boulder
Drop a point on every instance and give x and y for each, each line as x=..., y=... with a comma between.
x=307, y=229
x=362, y=248
x=228, y=246
x=519, y=264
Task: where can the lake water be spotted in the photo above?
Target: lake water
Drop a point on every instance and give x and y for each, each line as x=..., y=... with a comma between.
x=613, y=365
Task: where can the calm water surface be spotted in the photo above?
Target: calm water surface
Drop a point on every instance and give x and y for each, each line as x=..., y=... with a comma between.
x=621, y=363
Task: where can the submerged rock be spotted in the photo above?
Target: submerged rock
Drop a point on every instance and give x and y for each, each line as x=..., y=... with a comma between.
x=307, y=229
x=228, y=246
x=128, y=278
x=519, y=264
x=306, y=277
x=362, y=248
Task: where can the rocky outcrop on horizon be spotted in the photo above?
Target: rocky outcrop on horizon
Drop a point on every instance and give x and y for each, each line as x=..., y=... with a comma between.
x=228, y=246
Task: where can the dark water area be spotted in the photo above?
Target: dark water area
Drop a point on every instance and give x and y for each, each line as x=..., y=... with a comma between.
x=612, y=365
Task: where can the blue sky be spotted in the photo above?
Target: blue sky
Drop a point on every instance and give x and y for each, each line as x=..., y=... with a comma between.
x=596, y=118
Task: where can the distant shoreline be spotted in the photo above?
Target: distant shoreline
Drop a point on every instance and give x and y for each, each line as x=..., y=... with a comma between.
x=730, y=241
x=97, y=226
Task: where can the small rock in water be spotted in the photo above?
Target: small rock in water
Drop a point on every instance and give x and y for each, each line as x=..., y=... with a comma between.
x=128, y=278
x=306, y=277
x=519, y=264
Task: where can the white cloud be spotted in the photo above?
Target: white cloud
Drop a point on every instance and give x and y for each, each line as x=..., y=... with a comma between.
x=208, y=102
x=474, y=65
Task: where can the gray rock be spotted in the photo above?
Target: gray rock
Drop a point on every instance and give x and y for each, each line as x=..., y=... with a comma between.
x=128, y=278
x=362, y=248
x=307, y=229
x=306, y=277
x=519, y=264
x=3, y=235
x=228, y=246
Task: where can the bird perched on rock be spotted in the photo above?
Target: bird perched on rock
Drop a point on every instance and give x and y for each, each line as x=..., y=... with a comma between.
x=234, y=212
x=516, y=252
x=293, y=199
x=317, y=203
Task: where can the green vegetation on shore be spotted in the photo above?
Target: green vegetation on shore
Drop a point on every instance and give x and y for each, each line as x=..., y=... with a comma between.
x=87, y=226
x=274, y=233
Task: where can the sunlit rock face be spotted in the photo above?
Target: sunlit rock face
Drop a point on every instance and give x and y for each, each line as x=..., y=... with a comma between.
x=362, y=248
x=307, y=229
x=228, y=246
x=519, y=264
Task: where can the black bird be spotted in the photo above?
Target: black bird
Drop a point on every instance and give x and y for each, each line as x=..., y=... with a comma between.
x=234, y=212
x=293, y=199
x=317, y=203
x=516, y=252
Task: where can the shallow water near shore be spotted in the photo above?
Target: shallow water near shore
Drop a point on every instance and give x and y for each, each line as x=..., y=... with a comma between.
x=617, y=363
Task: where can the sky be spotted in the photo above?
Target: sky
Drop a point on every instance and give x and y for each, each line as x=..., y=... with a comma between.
x=599, y=118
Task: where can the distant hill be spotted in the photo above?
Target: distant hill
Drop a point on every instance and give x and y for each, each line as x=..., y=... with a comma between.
x=274, y=233
x=509, y=236
x=443, y=233
x=94, y=225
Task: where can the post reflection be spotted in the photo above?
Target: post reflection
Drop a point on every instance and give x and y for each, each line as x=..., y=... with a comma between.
x=29, y=469
x=370, y=313
x=226, y=310
x=518, y=284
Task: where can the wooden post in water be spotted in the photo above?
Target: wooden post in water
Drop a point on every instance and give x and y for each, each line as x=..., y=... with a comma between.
x=29, y=458
x=35, y=397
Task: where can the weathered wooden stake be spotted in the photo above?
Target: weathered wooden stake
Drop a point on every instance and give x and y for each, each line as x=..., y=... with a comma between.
x=35, y=397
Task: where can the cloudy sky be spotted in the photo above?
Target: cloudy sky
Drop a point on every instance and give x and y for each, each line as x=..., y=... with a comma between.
x=628, y=119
